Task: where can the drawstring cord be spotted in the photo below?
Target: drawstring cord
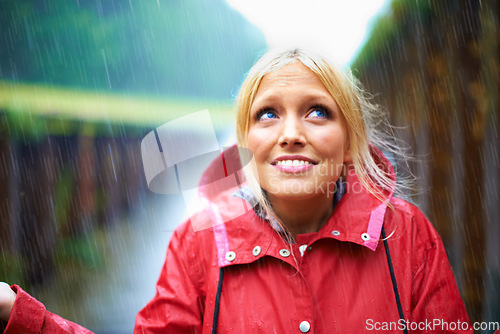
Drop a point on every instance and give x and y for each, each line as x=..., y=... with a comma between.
x=394, y=283
x=393, y=279
x=221, y=271
x=217, y=301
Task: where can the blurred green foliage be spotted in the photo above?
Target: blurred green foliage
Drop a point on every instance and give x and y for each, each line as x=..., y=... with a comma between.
x=62, y=197
x=165, y=48
x=33, y=111
x=11, y=268
x=83, y=251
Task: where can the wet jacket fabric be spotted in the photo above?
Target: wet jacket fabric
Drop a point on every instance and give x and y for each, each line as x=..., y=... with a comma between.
x=29, y=316
x=336, y=280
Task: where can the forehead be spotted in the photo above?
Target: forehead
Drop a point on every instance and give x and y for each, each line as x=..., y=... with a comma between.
x=291, y=74
x=291, y=80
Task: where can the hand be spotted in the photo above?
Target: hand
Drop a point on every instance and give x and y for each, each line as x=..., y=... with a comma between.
x=7, y=299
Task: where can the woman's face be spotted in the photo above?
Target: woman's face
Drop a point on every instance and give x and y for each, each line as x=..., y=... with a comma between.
x=297, y=134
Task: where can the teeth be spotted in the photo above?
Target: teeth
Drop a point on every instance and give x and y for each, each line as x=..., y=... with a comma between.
x=292, y=163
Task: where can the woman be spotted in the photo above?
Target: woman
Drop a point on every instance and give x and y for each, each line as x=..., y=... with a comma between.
x=313, y=241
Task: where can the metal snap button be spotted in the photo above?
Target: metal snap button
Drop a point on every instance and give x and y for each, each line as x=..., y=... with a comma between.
x=230, y=256
x=304, y=326
x=285, y=252
x=365, y=236
x=256, y=250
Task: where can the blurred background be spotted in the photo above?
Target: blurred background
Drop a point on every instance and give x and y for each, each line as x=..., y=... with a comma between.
x=82, y=82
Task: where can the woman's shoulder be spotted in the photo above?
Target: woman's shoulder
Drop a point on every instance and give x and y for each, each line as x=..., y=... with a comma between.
x=413, y=234
x=408, y=218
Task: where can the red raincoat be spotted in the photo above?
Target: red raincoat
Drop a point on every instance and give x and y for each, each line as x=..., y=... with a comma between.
x=341, y=283
x=336, y=280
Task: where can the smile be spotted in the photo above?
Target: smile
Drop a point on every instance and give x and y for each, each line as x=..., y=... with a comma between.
x=292, y=163
x=292, y=168
x=293, y=160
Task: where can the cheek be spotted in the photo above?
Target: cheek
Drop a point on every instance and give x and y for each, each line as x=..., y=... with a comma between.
x=260, y=144
x=333, y=143
x=253, y=142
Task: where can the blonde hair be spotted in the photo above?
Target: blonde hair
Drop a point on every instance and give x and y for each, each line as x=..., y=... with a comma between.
x=363, y=119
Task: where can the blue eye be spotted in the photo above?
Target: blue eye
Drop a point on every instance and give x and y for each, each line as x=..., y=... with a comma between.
x=319, y=113
x=266, y=114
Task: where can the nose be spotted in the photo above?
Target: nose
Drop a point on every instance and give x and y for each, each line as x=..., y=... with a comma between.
x=292, y=133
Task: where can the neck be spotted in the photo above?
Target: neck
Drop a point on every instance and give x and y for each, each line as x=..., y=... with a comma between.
x=303, y=216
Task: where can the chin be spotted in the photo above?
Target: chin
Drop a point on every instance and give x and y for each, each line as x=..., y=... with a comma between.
x=295, y=190
x=301, y=189
x=295, y=196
